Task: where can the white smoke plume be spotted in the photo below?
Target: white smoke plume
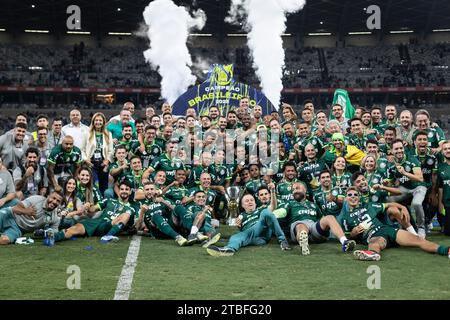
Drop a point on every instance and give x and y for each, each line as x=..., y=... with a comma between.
x=265, y=21
x=168, y=30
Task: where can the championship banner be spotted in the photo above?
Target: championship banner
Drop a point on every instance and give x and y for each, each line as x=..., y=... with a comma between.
x=341, y=97
x=221, y=90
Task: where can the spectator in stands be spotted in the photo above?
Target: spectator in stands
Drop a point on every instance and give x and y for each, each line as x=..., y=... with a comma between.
x=75, y=128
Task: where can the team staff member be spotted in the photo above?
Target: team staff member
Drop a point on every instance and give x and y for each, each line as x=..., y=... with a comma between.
x=98, y=150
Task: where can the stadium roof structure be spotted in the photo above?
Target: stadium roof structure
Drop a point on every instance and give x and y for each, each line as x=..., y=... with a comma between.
x=338, y=17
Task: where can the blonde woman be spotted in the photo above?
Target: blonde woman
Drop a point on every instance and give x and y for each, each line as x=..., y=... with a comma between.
x=98, y=150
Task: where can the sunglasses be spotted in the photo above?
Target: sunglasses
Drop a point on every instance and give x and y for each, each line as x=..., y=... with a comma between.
x=352, y=194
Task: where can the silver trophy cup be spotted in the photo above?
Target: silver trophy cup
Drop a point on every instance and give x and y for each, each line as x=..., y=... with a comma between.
x=233, y=196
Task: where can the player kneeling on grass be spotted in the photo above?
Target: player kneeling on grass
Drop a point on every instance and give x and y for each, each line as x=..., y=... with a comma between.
x=307, y=225
x=196, y=217
x=256, y=225
x=364, y=224
x=31, y=214
x=114, y=217
x=155, y=213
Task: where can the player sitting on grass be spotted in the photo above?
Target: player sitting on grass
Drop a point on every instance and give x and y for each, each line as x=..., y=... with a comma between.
x=196, y=218
x=363, y=222
x=155, y=213
x=114, y=217
x=307, y=225
x=256, y=225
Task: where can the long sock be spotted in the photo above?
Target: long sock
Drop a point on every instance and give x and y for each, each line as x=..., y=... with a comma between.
x=60, y=236
x=343, y=239
x=442, y=250
x=411, y=230
x=194, y=229
x=115, y=229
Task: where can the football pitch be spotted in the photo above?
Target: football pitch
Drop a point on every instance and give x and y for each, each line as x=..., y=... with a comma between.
x=166, y=271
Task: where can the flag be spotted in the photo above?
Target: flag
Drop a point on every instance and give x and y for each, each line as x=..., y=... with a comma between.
x=341, y=97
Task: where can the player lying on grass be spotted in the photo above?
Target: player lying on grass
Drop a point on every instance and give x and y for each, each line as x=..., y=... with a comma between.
x=306, y=223
x=256, y=225
x=365, y=226
x=114, y=217
x=31, y=214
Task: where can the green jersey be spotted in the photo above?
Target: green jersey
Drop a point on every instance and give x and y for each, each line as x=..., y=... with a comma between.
x=130, y=145
x=253, y=185
x=383, y=167
x=284, y=190
x=151, y=152
x=329, y=207
x=192, y=210
x=65, y=162
x=368, y=214
x=360, y=142
x=126, y=174
x=112, y=208
x=314, y=140
x=343, y=181
x=220, y=173
x=428, y=163
x=443, y=182
x=210, y=194
x=194, y=177
x=250, y=219
x=409, y=163
x=304, y=210
x=309, y=173
x=168, y=165
x=435, y=136
x=81, y=194
x=155, y=208
x=176, y=194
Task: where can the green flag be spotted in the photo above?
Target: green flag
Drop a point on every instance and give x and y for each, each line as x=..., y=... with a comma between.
x=341, y=97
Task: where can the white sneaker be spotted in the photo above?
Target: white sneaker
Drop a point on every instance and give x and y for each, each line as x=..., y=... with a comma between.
x=302, y=239
x=421, y=233
x=109, y=239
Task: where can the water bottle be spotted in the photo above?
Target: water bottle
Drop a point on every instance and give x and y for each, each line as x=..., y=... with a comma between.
x=50, y=238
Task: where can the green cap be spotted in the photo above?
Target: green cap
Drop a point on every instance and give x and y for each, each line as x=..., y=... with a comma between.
x=337, y=136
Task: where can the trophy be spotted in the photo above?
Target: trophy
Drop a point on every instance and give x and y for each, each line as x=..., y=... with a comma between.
x=233, y=195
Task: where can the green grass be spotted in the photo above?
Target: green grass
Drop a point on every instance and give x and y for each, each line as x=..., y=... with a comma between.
x=166, y=271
